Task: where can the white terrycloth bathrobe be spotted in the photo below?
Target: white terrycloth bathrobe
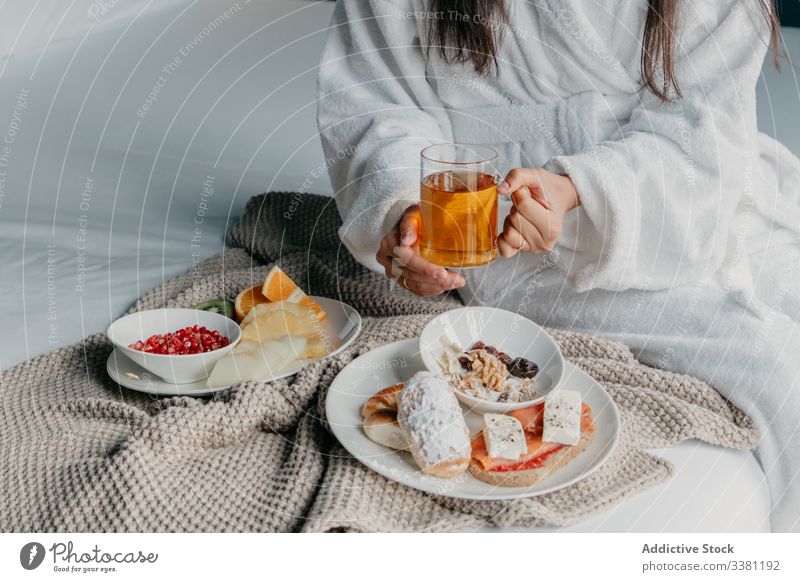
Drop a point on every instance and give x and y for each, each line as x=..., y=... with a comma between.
x=686, y=242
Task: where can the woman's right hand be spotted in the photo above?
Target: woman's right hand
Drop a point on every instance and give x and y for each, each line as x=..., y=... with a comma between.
x=399, y=255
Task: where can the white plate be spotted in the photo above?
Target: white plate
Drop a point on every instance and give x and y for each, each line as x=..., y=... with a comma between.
x=397, y=362
x=343, y=322
x=173, y=368
x=507, y=331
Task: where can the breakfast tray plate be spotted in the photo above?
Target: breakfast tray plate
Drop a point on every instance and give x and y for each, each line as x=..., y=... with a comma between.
x=342, y=324
x=397, y=362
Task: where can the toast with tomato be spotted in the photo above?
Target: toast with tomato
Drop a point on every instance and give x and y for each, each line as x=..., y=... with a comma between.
x=541, y=458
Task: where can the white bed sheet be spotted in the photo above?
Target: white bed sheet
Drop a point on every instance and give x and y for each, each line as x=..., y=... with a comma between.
x=235, y=107
x=236, y=111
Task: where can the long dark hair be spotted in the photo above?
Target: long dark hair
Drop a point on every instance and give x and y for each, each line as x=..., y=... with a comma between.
x=471, y=31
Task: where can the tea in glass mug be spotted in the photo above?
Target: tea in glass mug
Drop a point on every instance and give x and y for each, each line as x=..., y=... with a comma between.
x=458, y=203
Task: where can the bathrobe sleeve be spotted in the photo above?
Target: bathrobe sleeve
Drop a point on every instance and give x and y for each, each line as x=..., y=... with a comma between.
x=376, y=112
x=658, y=201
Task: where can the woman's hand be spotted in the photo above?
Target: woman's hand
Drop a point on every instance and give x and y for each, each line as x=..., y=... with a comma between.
x=399, y=255
x=540, y=200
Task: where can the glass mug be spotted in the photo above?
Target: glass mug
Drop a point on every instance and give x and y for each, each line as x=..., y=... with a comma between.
x=458, y=203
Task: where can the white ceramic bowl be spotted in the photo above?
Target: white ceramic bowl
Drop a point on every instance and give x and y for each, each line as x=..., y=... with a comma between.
x=509, y=332
x=176, y=369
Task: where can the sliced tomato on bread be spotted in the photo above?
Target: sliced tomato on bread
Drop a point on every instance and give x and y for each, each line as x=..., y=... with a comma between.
x=536, y=448
x=541, y=458
x=532, y=418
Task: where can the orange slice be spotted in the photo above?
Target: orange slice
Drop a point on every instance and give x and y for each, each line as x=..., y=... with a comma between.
x=247, y=299
x=278, y=286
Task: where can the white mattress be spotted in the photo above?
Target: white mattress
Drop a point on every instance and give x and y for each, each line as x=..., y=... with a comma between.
x=235, y=108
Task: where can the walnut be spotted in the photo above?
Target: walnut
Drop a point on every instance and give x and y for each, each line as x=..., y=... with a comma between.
x=487, y=368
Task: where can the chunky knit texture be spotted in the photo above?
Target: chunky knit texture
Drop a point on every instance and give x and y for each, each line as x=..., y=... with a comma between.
x=80, y=453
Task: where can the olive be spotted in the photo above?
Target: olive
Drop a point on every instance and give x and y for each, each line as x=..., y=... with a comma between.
x=502, y=356
x=522, y=368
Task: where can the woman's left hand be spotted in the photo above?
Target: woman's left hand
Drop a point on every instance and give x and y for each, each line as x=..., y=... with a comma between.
x=540, y=200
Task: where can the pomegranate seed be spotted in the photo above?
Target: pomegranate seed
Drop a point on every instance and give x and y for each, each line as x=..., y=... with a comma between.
x=189, y=340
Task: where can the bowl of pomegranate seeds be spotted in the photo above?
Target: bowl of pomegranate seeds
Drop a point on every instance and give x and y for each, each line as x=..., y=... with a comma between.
x=179, y=345
x=496, y=360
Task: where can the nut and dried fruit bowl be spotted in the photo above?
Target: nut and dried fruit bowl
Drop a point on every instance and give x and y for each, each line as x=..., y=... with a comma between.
x=176, y=368
x=508, y=332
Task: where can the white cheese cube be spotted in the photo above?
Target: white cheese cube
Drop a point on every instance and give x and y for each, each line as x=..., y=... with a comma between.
x=504, y=437
x=562, y=417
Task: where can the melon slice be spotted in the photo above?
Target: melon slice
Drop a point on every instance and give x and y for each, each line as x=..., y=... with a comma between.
x=253, y=361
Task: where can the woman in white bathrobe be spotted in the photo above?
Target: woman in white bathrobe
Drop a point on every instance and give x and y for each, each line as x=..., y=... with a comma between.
x=669, y=224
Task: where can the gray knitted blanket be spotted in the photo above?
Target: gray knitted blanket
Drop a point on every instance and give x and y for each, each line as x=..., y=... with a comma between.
x=80, y=453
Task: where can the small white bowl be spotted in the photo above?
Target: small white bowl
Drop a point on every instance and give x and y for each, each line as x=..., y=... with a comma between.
x=509, y=332
x=176, y=369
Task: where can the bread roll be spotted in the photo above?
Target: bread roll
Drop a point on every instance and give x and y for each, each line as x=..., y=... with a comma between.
x=433, y=425
x=382, y=427
x=380, y=418
x=385, y=399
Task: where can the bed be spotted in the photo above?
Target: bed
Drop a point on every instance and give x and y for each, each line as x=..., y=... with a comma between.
x=134, y=134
